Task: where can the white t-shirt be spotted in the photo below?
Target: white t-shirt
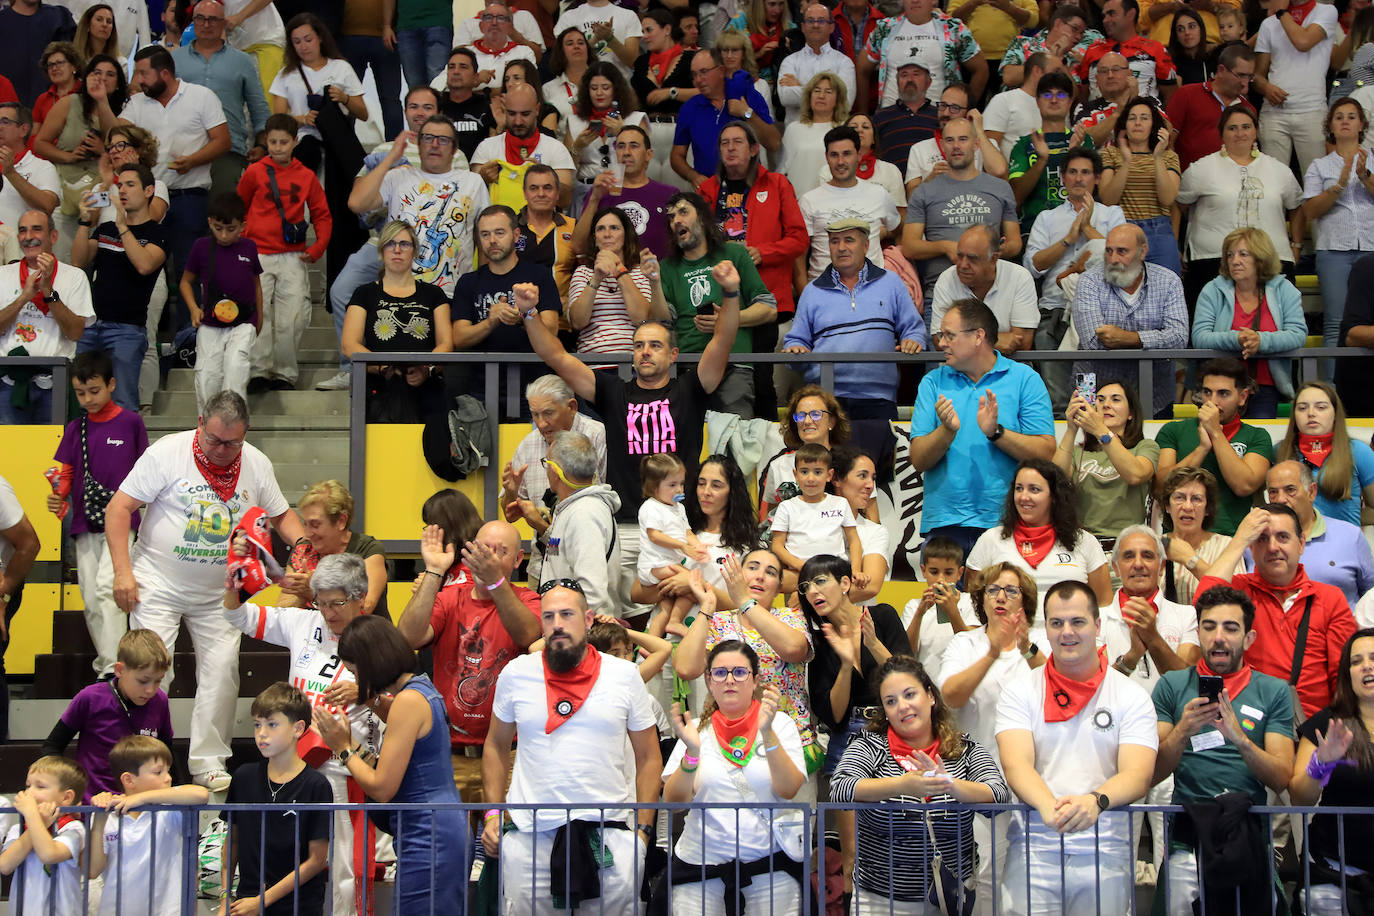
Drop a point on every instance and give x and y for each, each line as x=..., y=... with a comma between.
x=11, y=514
x=496, y=63
x=624, y=24
x=443, y=208
x=874, y=538
x=131, y=21
x=1223, y=199
x=1061, y=565
x=468, y=29
x=549, y=152
x=669, y=520
x=1177, y=624
x=1078, y=755
x=290, y=86
x=826, y=203
x=1012, y=296
x=584, y=752
x=262, y=28
x=34, y=885
x=1015, y=114
x=921, y=43
x=814, y=528
x=921, y=160
x=39, y=333
x=128, y=843
x=718, y=781
x=182, y=127
x=38, y=172
x=107, y=214
x=1302, y=74
x=589, y=163
x=182, y=546
x=935, y=636
x=978, y=716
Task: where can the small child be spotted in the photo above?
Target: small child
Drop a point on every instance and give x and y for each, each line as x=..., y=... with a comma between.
x=96, y=453
x=1230, y=24
x=665, y=538
x=106, y=711
x=609, y=636
x=816, y=522
x=43, y=852
x=281, y=714
x=134, y=882
x=221, y=288
x=942, y=566
x=277, y=190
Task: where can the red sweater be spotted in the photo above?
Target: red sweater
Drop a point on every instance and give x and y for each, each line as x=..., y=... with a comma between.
x=299, y=187
x=1277, y=632
x=775, y=228
x=1194, y=111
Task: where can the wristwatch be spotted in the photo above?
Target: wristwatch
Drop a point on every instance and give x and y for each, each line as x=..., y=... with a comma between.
x=1103, y=803
x=997, y=433
x=1105, y=438
x=348, y=752
x=748, y=113
x=51, y=297
x=672, y=93
x=1031, y=652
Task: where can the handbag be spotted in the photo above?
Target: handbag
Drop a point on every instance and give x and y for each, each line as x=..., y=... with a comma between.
x=1299, y=650
x=291, y=233
x=95, y=496
x=947, y=893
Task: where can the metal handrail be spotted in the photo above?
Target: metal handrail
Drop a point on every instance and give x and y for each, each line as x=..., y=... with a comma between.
x=58, y=366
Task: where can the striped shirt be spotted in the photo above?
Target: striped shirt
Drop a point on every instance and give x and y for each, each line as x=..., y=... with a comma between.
x=610, y=329
x=897, y=834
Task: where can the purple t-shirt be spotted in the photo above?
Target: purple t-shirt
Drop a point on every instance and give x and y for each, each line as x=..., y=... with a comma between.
x=114, y=446
x=644, y=206
x=103, y=717
x=236, y=266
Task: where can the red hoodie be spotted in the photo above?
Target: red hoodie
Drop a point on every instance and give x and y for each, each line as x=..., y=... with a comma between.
x=775, y=227
x=299, y=187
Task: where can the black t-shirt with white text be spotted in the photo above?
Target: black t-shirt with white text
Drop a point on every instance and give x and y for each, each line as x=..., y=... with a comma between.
x=118, y=291
x=477, y=291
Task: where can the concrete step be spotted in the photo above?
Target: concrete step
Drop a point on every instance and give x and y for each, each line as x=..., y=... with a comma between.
x=306, y=403
x=160, y=424
x=295, y=479
x=58, y=676
x=185, y=379
x=32, y=720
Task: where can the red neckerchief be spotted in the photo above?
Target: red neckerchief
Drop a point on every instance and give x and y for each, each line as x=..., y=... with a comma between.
x=62, y=821
x=1300, y=583
x=1122, y=598
x=224, y=481
x=1315, y=449
x=599, y=115
x=106, y=413
x=866, y=164
x=481, y=45
x=1234, y=683
x=565, y=693
x=658, y=63
x=1065, y=697
x=901, y=751
x=736, y=737
x=518, y=149
x=1229, y=430
x=1300, y=11
x=37, y=299
x=1033, y=542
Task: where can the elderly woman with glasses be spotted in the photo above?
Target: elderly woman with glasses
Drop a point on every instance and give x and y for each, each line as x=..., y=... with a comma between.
x=61, y=62
x=338, y=588
x=1189, y=496
x=326, y=510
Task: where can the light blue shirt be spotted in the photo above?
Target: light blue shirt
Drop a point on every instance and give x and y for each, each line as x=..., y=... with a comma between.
x=233, y=76
x=1361, y=476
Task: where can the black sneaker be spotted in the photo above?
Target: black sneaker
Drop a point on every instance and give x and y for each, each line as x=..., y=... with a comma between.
x=259, y=385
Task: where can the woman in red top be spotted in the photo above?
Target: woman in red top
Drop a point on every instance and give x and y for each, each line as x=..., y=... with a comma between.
x=61, y=62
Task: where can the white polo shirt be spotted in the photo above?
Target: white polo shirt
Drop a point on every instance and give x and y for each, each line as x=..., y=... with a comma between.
x=39, y=333
x=1062, y=563
x=182, y=126
x=1177, y=624
x=978, y=716
x=38, y=172
x=1012, y=296
x=1013, y=114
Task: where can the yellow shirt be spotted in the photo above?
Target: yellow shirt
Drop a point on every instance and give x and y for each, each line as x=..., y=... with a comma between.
x=994, y=29
x=1161, y=31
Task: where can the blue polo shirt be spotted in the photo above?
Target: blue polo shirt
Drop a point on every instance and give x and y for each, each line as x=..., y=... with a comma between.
x=969, y=485
x=699, y=123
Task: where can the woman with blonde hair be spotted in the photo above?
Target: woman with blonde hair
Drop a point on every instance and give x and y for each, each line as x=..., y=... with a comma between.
x=326, y=512
x=96, y=33
x=825, y=106
x=741, y=66
x=1317, y=436
x=1250, y=309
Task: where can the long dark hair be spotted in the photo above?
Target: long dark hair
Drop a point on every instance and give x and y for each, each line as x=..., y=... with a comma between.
x=558, y=61
x=629, y=251
x=116, y=98
x=378, y=653
x=943, y=725
x=329, y=48
x=739, y=530
x=1157, y=119
x=1176, y=49
x=710, y=228
x=1135, y=426
x=455, y=515
x=1346, y=706
x=624, y=96
x=1063, y=501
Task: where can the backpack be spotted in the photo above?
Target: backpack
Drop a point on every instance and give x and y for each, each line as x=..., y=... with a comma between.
x=469, y=435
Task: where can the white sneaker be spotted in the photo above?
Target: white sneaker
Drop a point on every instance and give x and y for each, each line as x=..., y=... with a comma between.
x=337, y=382
x=214, y=780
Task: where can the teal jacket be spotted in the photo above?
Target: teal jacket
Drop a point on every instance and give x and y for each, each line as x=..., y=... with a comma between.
x=1216, y=309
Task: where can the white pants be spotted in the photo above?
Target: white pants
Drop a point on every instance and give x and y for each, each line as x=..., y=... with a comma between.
x=223, y=358
x=1161, y=794
x=285, y=315
x=989, y=851
x=150, y=373
x=95, y=574
x=1282, y=133
x=525, y=871
x=341, y=863
x=1092, y=885
x=867, y=903
x=217, y=672
x=765, y=896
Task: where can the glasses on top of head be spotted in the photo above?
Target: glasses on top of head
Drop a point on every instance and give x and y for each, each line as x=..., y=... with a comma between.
x=738, y=673
x=813, y=415
x=552, y=584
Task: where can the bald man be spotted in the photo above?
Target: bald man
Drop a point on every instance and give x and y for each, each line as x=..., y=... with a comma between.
x=1127, y=304
x=502, y=160
x=477, y=621
x=818, y=55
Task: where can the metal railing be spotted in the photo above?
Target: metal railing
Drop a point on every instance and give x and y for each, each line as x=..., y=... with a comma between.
x=60, y=370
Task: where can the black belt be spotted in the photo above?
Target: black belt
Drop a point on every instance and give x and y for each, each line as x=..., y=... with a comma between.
x=180, y=192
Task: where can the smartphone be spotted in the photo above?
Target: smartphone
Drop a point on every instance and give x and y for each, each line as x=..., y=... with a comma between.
x=1085, y=383
x=1209, y=687
x=706, y=308
x=595, y=125
x=100, y=199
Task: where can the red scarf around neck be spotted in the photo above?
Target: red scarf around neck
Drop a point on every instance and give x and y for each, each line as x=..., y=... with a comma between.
x=1300, y=11
x=519, y=149
x=37, y=299
x=901, y=751
x=1065, y=697
x=867, y=162
x=736, y=737
x=1234, y=683
x=1229, y=430
x=566, y=692
x=481, y=45
x=224, y=481
x=106, y=413
x=659, y=60
x=1033, y=542
x=1316, y=449
x=599, y=116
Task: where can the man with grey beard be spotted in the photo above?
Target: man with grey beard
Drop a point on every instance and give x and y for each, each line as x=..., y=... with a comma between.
x=1127, y=304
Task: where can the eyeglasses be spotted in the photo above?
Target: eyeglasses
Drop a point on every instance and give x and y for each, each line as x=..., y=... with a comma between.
x=338, y=604
x=118, y=146
x=216, y=442
x=400, y=244
x=546, y=587
x=738, y=673
x=996, y=591
x=696, y=73
x=1194, y=499
x=818, y=22
x=1057, y=95
x=813, y=415
x=950, y=106
x=938, y=336
x=491, y=17
x=58, y=62
x=818, y=582
x=206, y=20
x=8, y=122
x=436, y=139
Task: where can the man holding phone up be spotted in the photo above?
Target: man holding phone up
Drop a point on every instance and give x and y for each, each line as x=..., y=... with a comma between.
x=1223, y=727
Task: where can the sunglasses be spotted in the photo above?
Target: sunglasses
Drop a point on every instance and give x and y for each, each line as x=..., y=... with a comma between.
x=552, y=584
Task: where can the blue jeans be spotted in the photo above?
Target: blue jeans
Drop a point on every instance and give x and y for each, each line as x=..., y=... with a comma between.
x=125, y=343
x=38, y=411
x=1333, y=276
x=365, y=51
x=360, y=269
x=424, y=53
x=1163, y=250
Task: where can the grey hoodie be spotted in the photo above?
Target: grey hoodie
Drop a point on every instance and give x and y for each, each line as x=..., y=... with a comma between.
x=582, y=545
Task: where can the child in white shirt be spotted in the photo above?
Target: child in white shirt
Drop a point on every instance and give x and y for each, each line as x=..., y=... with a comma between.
x=815, y=522
x=43, y=851
x=665, y=538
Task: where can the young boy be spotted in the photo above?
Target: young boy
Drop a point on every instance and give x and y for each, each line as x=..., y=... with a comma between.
x=816, y=522
x=143, y=766
x=221, y=288
x=942, y=566
x=281, y=714
x=1230, y=24
x=131, y=704
x=43, y=852
x=276, y=222
x=103, y=445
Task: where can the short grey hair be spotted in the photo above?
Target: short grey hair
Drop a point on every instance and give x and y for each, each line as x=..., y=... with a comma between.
x=575, y=455
x=1305, y=475
x=342, y=572
x=1136, y=529
x=549, y=386
x=228, y=406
